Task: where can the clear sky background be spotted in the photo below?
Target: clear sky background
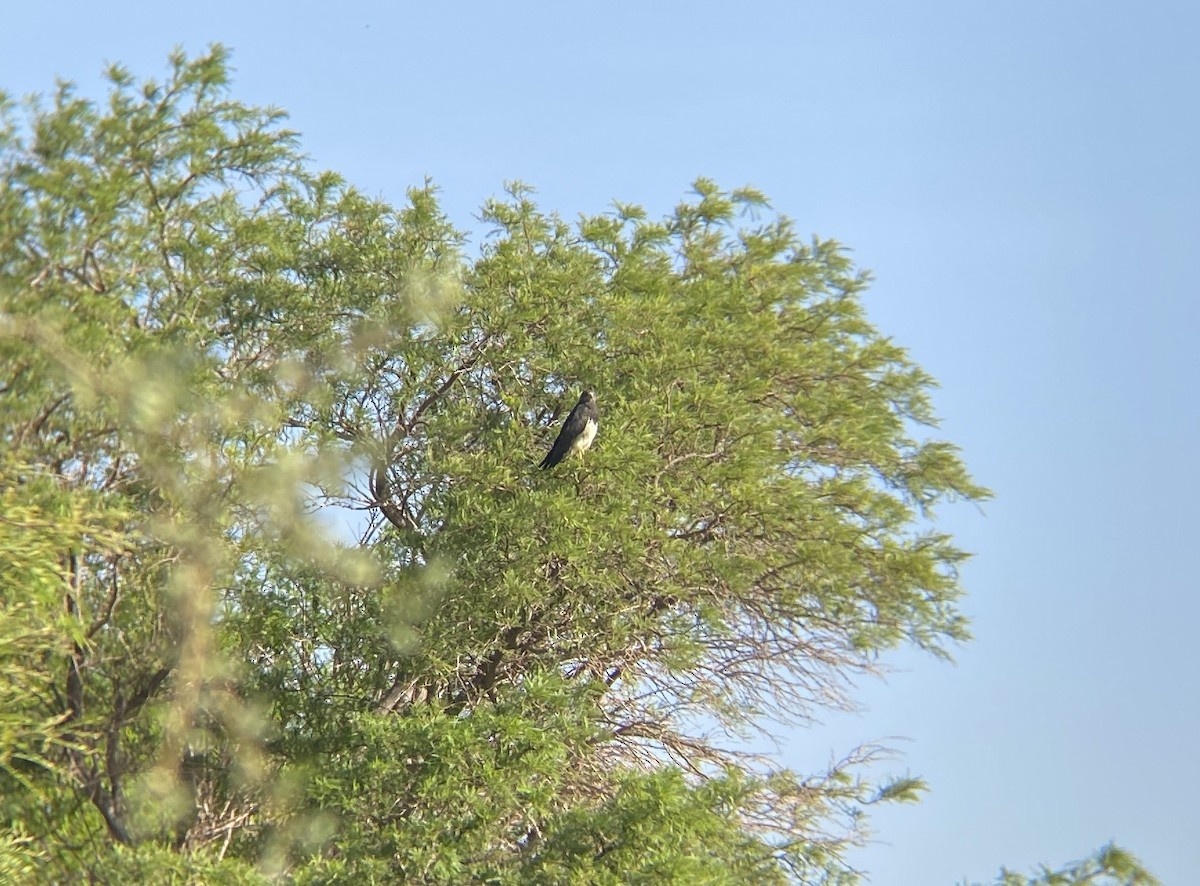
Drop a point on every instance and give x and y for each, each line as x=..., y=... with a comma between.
x=1023, y=179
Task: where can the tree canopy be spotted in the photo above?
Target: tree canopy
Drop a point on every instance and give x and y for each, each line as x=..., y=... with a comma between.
x=284, y=594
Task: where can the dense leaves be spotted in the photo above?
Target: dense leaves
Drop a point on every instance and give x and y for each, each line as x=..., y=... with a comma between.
x=284, y=594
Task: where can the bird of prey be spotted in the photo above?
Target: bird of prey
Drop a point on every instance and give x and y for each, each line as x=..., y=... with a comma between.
x=578, y=431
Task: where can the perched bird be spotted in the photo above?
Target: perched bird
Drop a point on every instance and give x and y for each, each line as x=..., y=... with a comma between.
x=578, y=431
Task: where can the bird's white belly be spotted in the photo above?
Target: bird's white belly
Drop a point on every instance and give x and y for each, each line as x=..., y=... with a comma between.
x=585, y=438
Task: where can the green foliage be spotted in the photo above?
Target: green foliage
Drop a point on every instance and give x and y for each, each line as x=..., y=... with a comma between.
x=1109, y=866
x=634, y=836
x=284, y=594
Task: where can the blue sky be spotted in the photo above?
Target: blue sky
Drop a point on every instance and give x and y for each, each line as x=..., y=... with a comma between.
x=1022, y=178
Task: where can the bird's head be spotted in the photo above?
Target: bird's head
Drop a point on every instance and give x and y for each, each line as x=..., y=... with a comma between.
x=586, y=396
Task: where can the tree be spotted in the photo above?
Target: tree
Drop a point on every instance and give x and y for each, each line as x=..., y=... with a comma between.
x=1109, y=866
x=211, y=355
